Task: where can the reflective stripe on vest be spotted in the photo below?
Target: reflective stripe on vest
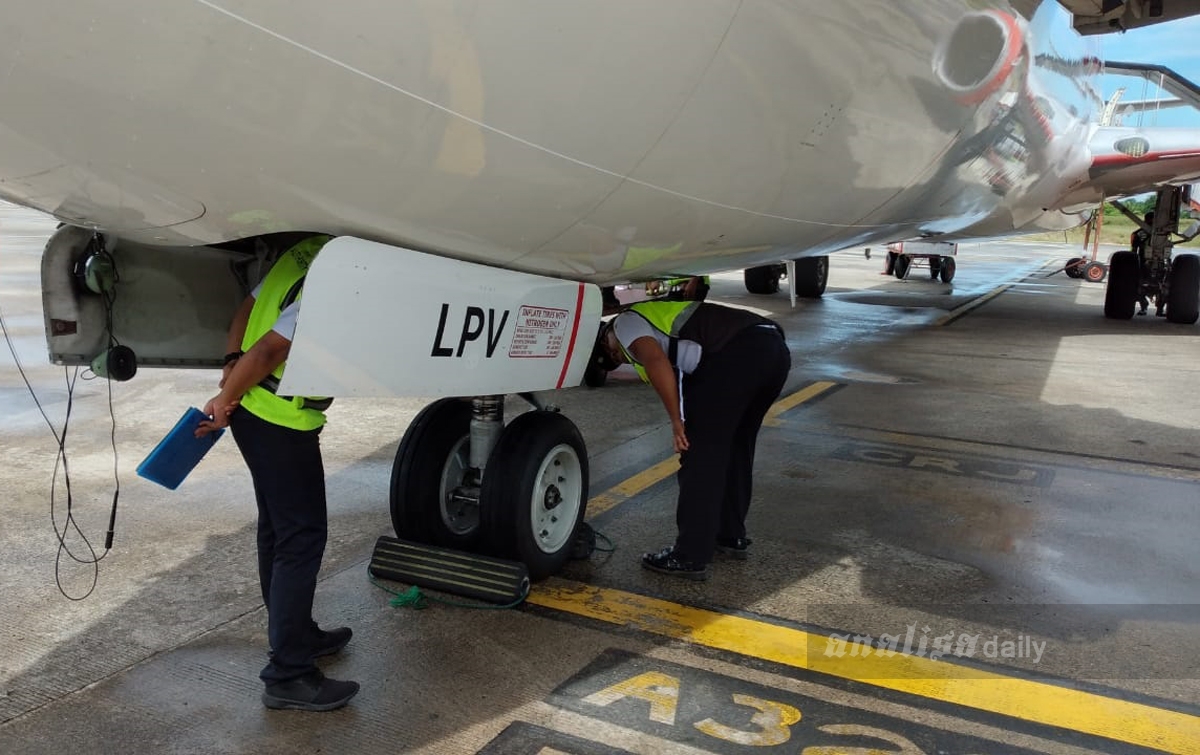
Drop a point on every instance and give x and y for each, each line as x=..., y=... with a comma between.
x=280, y=287
x=668, y=318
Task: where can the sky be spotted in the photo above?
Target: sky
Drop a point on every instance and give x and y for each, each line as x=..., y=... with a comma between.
x=1172, y=44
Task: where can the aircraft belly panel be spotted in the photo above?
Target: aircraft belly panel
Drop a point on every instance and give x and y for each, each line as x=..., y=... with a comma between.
x=378, y=320
x=549, y=137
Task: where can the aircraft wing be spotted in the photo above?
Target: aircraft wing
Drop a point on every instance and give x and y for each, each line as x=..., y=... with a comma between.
x=1183, y=90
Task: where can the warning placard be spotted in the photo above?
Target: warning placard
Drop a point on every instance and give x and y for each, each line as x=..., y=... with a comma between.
x=540, y=332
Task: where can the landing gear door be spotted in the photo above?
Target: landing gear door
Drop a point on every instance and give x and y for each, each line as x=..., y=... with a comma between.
x=378, y=320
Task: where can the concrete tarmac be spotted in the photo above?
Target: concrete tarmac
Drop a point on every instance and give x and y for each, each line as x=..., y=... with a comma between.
x=988, y=471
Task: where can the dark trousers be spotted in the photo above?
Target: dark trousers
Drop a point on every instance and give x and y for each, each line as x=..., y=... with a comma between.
x=289, y=484
x=724, y=402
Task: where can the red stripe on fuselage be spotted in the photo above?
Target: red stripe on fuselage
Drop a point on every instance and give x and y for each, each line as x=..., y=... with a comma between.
x=1149, y=157
x=574, y=333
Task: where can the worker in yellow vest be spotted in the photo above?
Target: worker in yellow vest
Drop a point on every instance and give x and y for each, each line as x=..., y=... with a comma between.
x=278, y=437
x=717, y=371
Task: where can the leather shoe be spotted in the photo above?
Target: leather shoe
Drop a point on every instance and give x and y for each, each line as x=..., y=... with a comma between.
x=734, y=547
x=328, y=643
x=312, y=692
x=667, y=562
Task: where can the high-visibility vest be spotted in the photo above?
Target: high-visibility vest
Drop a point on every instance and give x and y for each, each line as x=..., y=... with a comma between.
x=668, y=318
x=282, y=286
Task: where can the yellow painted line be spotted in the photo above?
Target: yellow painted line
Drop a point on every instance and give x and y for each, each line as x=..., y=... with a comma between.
x=1038, y=702
x=808, y=393
x=631, y=487
x=622, y=492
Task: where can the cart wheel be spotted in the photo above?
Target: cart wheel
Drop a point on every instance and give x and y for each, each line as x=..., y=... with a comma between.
x=1095, y=271
x=946, y=269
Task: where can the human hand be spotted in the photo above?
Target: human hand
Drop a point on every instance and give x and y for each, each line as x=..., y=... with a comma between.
x=679, y=436
x=218, y=410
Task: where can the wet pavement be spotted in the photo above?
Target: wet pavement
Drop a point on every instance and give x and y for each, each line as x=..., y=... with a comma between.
x=987, y=471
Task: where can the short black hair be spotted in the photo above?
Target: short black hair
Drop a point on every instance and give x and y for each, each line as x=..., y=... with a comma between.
x=600, y=355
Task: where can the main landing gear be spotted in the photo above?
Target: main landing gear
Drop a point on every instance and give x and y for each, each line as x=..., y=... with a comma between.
x=465, y=480
x=811, y=275
x=1172, y=282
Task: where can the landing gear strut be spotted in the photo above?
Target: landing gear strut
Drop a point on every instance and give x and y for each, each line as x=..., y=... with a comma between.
x=464, y=480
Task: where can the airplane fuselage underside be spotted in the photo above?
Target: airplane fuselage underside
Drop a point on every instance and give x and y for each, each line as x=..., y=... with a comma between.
x=589, y=141
x=485, y=165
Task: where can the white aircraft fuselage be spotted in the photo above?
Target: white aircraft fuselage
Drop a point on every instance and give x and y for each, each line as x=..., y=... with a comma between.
x=483, y=163
x=596, y=140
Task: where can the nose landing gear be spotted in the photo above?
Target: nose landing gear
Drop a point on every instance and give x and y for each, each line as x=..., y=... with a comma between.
x=464, y=480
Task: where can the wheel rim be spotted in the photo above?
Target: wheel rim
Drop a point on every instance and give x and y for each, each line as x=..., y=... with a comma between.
x=557, y=495
x=460, y=517
x=1094, y=273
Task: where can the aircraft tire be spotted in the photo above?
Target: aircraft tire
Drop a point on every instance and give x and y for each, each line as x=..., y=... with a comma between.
x=947, y=268
x=1183, y=290
x=812, y=274
x=762, y=280
x=430, y=462
x=535, y=491
x=903, y=263
x=1073, y=268
x=1120, y=296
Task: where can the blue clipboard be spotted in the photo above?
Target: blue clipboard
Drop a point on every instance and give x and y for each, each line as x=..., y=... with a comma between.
x=179, y=452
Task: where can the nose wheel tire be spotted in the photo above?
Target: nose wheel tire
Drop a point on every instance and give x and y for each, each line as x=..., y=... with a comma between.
x=430, y=465
x=535, y=491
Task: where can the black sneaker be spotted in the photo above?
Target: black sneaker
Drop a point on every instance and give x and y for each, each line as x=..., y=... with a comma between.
x=737, y=547
x=312, y=692
x=328, y=643
x=666, y=562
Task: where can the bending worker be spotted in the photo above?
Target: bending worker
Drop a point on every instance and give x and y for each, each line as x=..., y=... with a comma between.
x=717, y=370
x=278, y=437
x=1139, y=241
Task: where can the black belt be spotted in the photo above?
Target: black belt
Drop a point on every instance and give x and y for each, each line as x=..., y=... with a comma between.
x=271, y=384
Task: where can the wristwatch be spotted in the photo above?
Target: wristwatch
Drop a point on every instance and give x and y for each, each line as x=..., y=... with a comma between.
x=232, y=357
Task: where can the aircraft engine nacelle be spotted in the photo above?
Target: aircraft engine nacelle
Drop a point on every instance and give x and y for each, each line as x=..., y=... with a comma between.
x=980, y=56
